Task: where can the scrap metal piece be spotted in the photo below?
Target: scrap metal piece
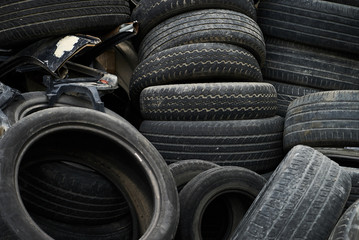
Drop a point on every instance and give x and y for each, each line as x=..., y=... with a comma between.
x=90, y=86
x=50, y=54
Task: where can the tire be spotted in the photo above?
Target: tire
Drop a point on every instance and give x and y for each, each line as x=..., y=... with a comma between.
x=343, y=156
x=141, y=174
x=346, y=2
x=183, y=171
x=312, y=67
x=208, y=101
x=255, y=144
x=303, y=199
x=152, y=12
x=346, y=228
x=318, y=23
x=211, y=191
x=58, y=230
x=286, y=93
x=71, y=194
x=30, y=102
x=354, y=191
x=24, y=21
x=323, y=119
x=208, y=25
x=195, y=63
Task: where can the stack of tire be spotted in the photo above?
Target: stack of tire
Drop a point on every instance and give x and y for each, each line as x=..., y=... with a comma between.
x=311, y=46
x=312, y=49
x=199, y=85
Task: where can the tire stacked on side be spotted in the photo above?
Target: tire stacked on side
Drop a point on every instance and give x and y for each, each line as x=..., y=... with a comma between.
x=225, y=123
x=196, y=41
x=311, y=46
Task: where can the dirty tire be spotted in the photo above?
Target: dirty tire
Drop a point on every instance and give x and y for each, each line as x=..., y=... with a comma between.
x=323, y=119
x=286, y=93
x=195, y=63
x=183, y=171
x=346, y=228
x=112, y=231
x=23, y=21
x=30, y=102
x=346, y=157
x=354, y=192
x=303, y=199
x=209, y=101
x=208, y=25
x=317, y=23
x=150, y=13
x=141, y=174
x=71, y=194
x=212, y=189
x=303, y=65
x=346, y=2
x=255, y=144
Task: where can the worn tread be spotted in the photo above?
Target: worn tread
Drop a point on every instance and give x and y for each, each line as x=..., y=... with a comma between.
x=208, y=25
x=208, y=101
x=302, y=199
x=195, y=63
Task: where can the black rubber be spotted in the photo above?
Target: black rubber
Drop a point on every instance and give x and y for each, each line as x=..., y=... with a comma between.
x=150, y=13
x=130, y=162
x=23, y=21
x=195, y=63
x=346, y=2
x=30, y=102
x=183, y=171
x=121, y=229
x=208, y=208
x=323, y=119
x=71, y=194
x=354, y=192
x=309, y=66
x=346, y=157
x=286, y=93
x=208, y=25
x=209, y=101
x=318, y=23
x=303, y=199
x=346, y=228
x=255, y=144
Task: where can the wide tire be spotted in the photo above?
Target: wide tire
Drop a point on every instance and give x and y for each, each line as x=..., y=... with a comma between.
x=24, y=21
x=208, y=25
x=130, y=162
x=313, y=67
x=195, y=63
x=323, y=119
x=255, y=144
x=209, y=101
x=303, y=199
x=318, y=23
x=150, y=13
